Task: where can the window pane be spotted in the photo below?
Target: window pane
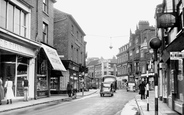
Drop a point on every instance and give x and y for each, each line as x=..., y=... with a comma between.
x=10, y=17
x=2, y=13
x=45, y=33
x=23, y=24
x=17, y=21
x=45, y=5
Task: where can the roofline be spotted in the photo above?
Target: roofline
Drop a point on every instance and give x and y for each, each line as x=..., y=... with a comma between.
x=72, y=18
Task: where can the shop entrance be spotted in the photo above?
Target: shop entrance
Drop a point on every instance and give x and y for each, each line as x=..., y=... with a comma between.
x=16, y=68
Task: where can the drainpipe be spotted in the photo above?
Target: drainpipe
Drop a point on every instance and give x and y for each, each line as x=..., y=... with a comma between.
x=36, y=39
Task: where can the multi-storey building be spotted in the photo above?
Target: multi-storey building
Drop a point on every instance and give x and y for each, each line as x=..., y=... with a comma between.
x=140, y=54
x=122, y=65
x=134, y=54
x=91, y=65
x=100, y=67
x=26, y=40
x=171, y=34
x=70, y=44
x=146, y=55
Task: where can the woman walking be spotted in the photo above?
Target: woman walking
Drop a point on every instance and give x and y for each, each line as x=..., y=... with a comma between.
x=9, y=91
x=1, y=91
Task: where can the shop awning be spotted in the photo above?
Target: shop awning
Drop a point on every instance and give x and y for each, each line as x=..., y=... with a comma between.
x=176, y=45
x=53, y=58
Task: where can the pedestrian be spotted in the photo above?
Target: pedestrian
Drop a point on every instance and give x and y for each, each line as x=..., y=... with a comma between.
x=9, y=91
x=74, y=90
x=25, y=84
x=1, y=91
x=142, y=86
x=69, y=89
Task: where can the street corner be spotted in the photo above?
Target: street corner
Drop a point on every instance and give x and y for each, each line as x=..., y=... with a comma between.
x=130, y=108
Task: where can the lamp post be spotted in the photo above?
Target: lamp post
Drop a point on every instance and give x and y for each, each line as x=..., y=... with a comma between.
x=155, y=43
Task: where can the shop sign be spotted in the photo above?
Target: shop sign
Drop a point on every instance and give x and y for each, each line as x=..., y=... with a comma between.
x=165, y=20
x=16, y=48
x=176, y=55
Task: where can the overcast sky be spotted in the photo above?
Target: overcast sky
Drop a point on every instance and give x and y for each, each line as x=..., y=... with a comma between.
x=108, y=22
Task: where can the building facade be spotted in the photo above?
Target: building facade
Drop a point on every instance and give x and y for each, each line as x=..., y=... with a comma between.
x=100, y=67
x=71, y=47
x=171, y=59
x=122, y=65
x=26, y=33
x=146, y=55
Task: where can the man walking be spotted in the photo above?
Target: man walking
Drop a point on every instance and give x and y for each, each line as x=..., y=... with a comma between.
x=25, y=84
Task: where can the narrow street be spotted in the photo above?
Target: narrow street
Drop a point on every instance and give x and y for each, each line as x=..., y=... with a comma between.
x=89, y=105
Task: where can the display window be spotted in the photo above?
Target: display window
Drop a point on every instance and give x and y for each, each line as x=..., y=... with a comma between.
x=54, y=83
x=42, y=78
x=14, y=67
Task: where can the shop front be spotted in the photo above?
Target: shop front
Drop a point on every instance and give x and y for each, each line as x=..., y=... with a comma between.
x=72, y=74
x=173, y=58
x=17, y=60
x=49, y=71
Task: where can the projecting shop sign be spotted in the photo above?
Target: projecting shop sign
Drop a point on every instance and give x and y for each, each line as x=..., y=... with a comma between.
x=176, y=55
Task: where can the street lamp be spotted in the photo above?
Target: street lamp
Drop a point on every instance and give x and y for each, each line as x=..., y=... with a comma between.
x=155, y=43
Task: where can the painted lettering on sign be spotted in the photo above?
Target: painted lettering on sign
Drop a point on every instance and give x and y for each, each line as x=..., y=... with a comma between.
x=4, y=44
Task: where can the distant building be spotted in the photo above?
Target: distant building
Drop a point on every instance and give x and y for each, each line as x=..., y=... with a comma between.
x=100, y=67
x=122, y=65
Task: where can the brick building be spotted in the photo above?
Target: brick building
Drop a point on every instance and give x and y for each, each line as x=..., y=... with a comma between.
x=122, y=64
x=70, y=44
x=26, y=38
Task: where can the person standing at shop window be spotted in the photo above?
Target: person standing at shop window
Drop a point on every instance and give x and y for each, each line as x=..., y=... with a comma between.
x=1, y=91
x=25, y=84
x=9, y=91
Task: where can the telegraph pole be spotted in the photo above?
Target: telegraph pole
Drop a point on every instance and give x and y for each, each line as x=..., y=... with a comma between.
x=155, y=43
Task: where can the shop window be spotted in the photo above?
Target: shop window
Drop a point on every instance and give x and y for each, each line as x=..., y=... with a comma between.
x=42, y=79
x=54, y=83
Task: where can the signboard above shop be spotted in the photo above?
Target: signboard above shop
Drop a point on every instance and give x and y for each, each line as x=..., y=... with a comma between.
x=176, y=55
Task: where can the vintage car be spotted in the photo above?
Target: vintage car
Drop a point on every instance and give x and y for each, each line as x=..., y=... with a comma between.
x=106, y=88
x=130, y=86
x=108, y=85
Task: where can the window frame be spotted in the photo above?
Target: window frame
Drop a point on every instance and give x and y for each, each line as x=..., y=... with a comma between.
x=45, y=32
x=45, y=6
x=16, y=6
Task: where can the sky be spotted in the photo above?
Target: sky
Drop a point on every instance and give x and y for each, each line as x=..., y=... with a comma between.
x=108, y=22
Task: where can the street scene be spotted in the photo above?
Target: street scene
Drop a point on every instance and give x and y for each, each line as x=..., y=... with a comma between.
x=99, y=57
x=91, y=104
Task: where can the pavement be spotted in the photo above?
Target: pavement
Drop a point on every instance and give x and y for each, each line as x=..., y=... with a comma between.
x=18, y=103
x=163, y=108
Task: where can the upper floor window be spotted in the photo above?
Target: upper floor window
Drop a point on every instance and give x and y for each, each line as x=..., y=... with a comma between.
x=13, y=18
x=77, y=34
x=45, y=6
x=45, y=33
